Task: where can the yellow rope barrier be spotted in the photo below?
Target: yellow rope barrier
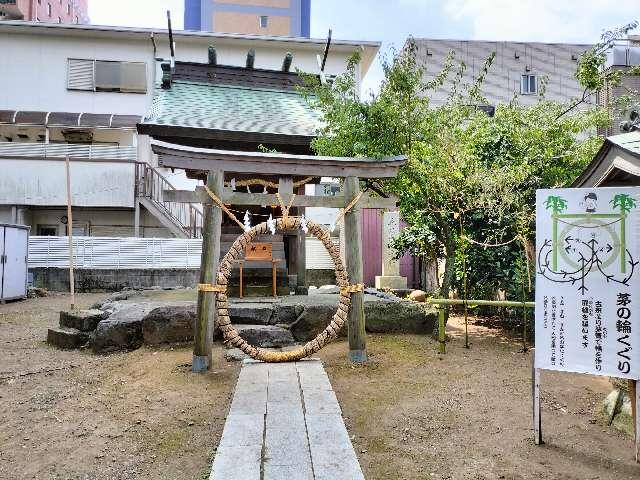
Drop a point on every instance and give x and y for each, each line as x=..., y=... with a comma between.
x=285, y=210
x=207, y=287
x=223, y=207
x=346, y=209
x=266, y=183
x=354, y=288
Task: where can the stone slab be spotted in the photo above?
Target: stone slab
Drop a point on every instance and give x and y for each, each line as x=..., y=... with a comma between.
x=272, y=434
x=83, y=320
x=227, y=467
x=67, y=338
x=265, y=336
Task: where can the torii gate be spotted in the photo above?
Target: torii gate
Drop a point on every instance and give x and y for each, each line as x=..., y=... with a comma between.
x=285, y=166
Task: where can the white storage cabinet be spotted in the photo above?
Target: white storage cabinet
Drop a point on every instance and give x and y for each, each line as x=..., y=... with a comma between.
x=14, y=247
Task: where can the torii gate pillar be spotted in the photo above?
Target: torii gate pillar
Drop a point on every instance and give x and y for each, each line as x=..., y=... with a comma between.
x=211, y=231
x=353, y=257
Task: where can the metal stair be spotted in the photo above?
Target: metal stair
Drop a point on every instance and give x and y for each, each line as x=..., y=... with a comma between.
x=184, y=220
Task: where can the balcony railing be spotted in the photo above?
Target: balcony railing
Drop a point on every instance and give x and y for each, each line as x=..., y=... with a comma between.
x=151, y=184
x=62, y=150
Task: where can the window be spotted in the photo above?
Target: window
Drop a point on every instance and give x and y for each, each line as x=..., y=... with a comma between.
x=107, y=76
x=49, y=9
x=529, y=85
x=264, y=21
x=47, y=230
x=68, y=9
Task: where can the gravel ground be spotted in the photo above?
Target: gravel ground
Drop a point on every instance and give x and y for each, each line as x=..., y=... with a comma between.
x=414, y=414
x=74, y=415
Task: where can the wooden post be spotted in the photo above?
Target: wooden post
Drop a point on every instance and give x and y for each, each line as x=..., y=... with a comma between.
x=285, y=188
x=353, y=256
x=301, y=256
x=442, y=327
x=205, y=323
x=634, y=397
x=537, y=414
x=72, y=288
x=136, y=218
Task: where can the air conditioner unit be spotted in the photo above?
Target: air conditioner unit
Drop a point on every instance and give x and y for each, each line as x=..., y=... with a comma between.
x=622, y=56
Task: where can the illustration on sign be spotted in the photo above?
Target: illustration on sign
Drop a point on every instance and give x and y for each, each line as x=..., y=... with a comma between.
x=587, y=283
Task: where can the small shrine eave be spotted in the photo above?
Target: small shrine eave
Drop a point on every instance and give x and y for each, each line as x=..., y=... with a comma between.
x=172, y=155
x=617, y=163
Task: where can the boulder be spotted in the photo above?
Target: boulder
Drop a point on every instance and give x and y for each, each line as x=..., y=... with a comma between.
x=418, y=296
x=325, y=289
x=251, y=313
x=67, y=338
x=265, y=336
x=122, y=330
x=622, y=418
x=312, y=321
x=235, y=355
x=169, y=324
x=399, y=317
x=286, y=313
x=83, y=320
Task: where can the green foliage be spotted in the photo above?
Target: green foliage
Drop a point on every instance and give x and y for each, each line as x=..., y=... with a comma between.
x=468, y=177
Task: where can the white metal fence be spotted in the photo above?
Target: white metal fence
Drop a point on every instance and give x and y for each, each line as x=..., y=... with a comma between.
x=61, y=150
x=113, y=253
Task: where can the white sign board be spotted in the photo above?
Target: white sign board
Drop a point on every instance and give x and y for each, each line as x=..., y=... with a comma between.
x=588, y=281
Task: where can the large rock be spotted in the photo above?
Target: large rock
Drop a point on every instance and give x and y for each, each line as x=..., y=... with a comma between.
x=169, y=324
x=399, y=317
x=67, y=338
x=122, y=330
x=286, y=313
x=622, y=419
x=418, y=296
x=251, y=313
x=265, y=336
x=312, y=321
x=83, y=320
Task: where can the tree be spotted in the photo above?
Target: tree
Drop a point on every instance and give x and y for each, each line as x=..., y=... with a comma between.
x=593, y=77
x=470, y=178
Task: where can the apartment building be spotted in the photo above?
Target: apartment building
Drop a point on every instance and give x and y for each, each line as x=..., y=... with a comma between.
x=620, y=99
x=288, y=18
x=522, y=70
x=99, y=85
x=51, y=11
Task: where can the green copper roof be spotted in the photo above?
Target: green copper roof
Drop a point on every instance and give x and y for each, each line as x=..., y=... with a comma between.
x=627, y=141
x=232, y=108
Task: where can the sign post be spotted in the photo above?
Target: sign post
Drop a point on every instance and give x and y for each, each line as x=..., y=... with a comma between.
x=587, y=286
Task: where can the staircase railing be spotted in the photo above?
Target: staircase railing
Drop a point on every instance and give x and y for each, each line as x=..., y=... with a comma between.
x=151, y=184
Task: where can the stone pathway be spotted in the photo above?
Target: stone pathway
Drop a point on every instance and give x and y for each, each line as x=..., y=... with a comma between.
x=285, y=423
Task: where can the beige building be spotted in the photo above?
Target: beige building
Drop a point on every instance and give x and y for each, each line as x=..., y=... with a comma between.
x=284, y=18
x=523, y=70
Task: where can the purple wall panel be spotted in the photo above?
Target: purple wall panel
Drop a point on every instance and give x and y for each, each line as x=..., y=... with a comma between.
x=372, y=250
x=371, y=245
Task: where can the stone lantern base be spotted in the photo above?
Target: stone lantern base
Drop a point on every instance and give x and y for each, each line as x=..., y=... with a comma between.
x=391, y=282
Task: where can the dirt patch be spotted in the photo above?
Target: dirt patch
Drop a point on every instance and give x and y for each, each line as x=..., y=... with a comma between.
x=74, y=415
x=413, y=414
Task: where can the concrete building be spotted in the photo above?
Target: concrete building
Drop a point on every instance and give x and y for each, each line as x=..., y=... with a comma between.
x=100, y=84
x=523, y=70
x=621, y=58
x=50, y=11
x=288, y=18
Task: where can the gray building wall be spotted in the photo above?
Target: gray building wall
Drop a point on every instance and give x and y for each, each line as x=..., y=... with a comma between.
x=553, y=63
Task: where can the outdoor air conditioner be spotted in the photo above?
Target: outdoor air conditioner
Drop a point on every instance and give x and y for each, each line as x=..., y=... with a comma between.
x=622, y=56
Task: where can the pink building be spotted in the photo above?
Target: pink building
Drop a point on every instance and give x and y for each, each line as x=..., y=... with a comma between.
x=50, y=11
